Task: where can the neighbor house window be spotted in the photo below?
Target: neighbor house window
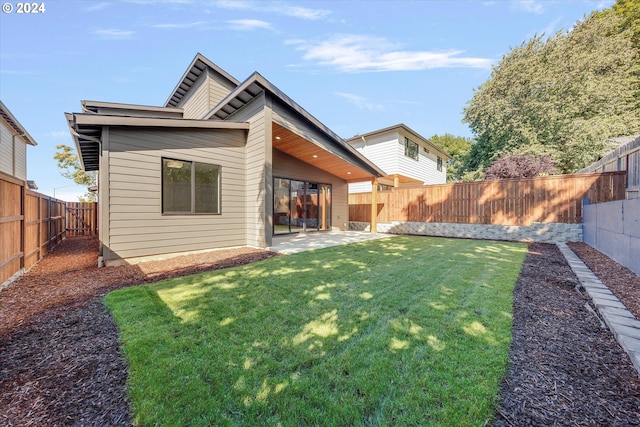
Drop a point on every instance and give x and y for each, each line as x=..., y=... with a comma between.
x=439, y=164
x=190, y=187
x=411, y=149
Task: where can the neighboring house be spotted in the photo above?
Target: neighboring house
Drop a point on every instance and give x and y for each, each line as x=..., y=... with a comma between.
x=223, y=163
x=13, y=145
x=407, y=158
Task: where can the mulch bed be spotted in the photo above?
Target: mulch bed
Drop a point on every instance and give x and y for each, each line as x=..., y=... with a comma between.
x=60, y=362
x=565, y=369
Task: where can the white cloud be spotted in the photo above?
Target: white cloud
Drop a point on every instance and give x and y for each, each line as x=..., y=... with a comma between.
x=249, y=24
x=529, y=6
x=233, y=4
x=180, y=26
x=275, y=7
x=302, y=12
x=360, y=102
x=20, y=72
x=160, y=1
x=59, y=134
x=356, y=53
x=93, y=7
x=114, y=34
x=551, y=28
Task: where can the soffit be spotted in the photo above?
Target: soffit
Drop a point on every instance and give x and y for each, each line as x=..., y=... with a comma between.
x=236, y=100
x=199, y=65
x=317, y=156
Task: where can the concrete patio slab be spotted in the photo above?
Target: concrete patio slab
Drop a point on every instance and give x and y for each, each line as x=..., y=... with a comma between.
x=294, y=243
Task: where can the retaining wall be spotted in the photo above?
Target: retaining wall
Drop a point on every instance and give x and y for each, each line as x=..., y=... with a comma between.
x=536, y=232
x=613, y=228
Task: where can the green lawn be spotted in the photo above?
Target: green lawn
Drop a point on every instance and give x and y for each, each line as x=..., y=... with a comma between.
x=399, y=331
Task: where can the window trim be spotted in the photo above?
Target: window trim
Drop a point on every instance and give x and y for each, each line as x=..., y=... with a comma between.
x=407, y=153
x=192, y=212
x=439, y=163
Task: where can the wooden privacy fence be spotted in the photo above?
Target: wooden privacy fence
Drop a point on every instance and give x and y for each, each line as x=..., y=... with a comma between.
x=502, y=202
x=31, y=224
x=81, y=218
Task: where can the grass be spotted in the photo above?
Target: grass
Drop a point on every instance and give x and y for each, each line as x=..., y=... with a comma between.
x=399, y=331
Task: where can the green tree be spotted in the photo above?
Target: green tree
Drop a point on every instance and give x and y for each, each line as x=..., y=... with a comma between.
x=458, y=147
x=629, y=12
x=559, y=97
x=69, y=162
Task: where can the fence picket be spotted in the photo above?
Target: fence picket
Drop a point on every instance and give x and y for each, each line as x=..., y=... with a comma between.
x=32, y=224
x=505, y=202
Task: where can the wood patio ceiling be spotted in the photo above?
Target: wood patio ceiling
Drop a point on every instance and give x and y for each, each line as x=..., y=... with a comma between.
x=315, y=155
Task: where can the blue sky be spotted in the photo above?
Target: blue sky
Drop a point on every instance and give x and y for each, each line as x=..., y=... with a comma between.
x=357, y=66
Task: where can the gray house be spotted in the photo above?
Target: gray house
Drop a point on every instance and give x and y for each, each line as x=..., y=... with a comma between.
x=223, y=163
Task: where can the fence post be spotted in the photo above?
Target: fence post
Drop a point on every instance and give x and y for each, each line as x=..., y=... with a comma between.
x=23, y=224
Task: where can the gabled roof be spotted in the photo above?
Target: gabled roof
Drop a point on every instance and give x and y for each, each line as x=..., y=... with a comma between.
x=397, y=128
x=255, y=85
x=195, y=70
x=86, y=127
x=15, y=125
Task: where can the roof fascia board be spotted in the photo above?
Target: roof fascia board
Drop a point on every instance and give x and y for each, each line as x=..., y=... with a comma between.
x=6, y=114
x=239, y=89
x=108, y=120
x=100, y=104
x=71, y=122
x=209, y=64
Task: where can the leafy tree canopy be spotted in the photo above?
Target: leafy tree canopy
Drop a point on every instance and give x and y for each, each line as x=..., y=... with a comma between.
x=560, y=97
x=458, y=147
x=69, y=162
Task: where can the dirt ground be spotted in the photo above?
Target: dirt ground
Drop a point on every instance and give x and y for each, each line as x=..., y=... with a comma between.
x=60, y=363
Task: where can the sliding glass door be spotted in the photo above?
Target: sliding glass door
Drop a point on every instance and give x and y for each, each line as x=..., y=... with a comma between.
x=300, y=206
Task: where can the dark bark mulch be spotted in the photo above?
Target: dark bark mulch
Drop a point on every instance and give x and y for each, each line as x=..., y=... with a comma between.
x=60, y=362
x=565, y=369
x=64, y=368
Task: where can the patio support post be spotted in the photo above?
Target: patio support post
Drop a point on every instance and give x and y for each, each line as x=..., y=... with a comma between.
x=374, y=206
x=396, y=181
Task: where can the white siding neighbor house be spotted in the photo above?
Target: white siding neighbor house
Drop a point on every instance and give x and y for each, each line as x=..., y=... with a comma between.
x=13, y=145
x=407, y=158
x=223, y=163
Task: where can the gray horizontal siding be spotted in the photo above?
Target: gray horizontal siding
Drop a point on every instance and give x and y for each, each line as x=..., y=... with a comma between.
x=136, y=225
x=219, y=88
x=258, y=143
x=196, y=103
x=206, y=93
